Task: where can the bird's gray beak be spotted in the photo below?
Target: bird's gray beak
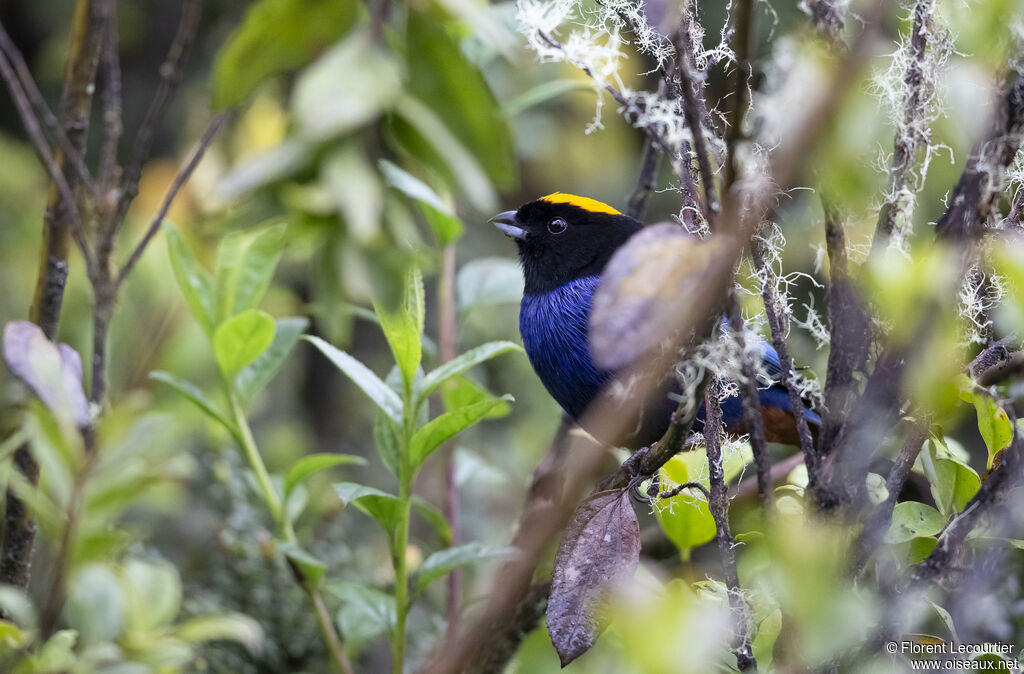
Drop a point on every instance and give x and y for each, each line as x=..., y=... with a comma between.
x=507, y=223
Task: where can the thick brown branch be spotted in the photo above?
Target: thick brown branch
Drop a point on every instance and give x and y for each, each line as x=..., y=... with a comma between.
x=977, y=193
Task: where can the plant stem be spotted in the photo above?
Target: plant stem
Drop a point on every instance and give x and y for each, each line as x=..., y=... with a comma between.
x=243, y=433
x=448, y=338
x=401, y=540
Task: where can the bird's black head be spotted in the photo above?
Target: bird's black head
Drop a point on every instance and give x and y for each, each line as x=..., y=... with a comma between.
x=562, y=237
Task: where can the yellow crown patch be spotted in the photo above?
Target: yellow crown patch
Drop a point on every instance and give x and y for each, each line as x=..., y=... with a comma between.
x=587, y=204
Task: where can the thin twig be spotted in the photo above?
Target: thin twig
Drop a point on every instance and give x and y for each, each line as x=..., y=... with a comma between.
x=880, y=518
x=42, y=148
x=752, y=417
x=113, y=125
x=776, y=323
x=170, y=78
x=44, y=115
x=742, y=46
x=718, y=504
x=692, y=105
x=184, y=174
x=650, y=159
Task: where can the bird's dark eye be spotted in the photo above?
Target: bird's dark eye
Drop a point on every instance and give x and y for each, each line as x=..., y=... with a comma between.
x=557, y=226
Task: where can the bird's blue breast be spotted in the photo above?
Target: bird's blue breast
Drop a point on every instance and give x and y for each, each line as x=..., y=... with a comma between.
x=554, y=329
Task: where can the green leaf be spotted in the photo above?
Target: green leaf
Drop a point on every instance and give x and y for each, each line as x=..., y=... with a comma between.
x=193, y=280
x=420, y=131
x=242, y=339
x=487, y=281
x=911, y=519
x=764, y=641
x=403, y=328
x=365, y=612
x=349, y=86
x=431, y=436
x=255, y=376
x=17, y=606
x=994, y=424
x=264, y=167
x=434, y=517
x=442, y=77
x=916, y=550
x=542, y=93
x=371, y=384
x=463, y=362
x=686, y=518
x=295, y=503
x=311, y=568
x=953, y=485
x=193, y=394
x=438, y=214
x=153, y=595
x=461, y=391
x=276, y=36
x=381, y=506
x=313, y=463
x=245, y=267
x=356, y=190
x=385, y=437
x=236, y=627
x=95, y=604
x=445, y=561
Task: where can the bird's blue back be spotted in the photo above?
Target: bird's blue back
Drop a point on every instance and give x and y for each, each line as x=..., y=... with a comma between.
x=554, y=328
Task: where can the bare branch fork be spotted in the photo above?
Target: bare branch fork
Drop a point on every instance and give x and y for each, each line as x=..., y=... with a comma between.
x=80, y=202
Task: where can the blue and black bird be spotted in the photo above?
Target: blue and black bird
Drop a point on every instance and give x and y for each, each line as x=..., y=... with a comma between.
x=564, y=243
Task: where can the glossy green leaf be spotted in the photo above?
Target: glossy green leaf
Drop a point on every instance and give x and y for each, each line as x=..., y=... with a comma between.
x=385, y=437
x=193, y=280
x=245, y=267
x=371, y=384
x=242, y=339
x=993, y=423
x=365, y=612
x=435, y=433
x=311, y=567
x=445, y=561
x=911, y=519
x=764, y=641
x=194, y=395
x=255, y=376
x=381, y=506
x=686, y=518
x=276, y=36
x=313, y=463
x=463, y=362
x=350, y=85
x=442, y=77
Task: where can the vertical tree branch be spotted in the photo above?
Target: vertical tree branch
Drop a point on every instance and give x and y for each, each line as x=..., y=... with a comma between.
x=742, y=47
x=849, y=330
x=448, y=338
x=692, y=111
x=58, y=225
x=909, y=136
x=827, y=18
x=718, y=504
x=650, y=159
x=776, y=323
